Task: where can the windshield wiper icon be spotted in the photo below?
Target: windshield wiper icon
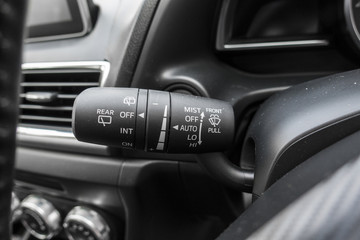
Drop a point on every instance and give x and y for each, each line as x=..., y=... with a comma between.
x=214, y=120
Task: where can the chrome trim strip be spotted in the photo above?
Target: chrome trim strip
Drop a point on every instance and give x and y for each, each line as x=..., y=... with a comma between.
x=280, y=44
x=102, y=66
x=41, y=132
x=86, y=20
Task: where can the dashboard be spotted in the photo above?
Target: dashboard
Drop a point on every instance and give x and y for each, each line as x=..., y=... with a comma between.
x=238, y=51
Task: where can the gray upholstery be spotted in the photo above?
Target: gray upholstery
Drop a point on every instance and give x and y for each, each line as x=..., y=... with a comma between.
x=11, y=35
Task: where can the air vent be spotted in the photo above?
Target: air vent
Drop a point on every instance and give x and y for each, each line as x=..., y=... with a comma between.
x=259, y=24
x=48, y=91
x=282, y=37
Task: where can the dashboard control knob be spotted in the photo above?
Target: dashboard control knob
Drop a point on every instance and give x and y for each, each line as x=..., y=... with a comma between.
x=15, y=205
x=85, y=223
x=40, y=217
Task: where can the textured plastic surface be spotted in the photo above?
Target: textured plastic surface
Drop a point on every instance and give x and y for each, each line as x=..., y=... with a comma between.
x=154, y=121
x=291, y=187
x=330, y=206
x=172, y=200
x=11, y=31
x=294, y=125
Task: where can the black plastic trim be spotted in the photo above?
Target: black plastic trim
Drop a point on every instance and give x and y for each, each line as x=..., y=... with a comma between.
x=77, y=167
x=293, y=125
x=136, y=43
x=290, y=187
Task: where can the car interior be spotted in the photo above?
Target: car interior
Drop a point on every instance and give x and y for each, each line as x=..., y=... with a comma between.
x=179, y=119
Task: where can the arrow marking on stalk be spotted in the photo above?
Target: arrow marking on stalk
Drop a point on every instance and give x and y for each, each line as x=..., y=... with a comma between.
x=200, y=127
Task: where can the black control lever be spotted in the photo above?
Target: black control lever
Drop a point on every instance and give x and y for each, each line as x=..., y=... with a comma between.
x=153, y=121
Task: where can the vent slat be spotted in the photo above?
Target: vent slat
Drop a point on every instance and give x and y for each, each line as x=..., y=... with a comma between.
x=56, y=111
x=39, y=107
x=59, y=96
x=41, y=118
x=58, y=84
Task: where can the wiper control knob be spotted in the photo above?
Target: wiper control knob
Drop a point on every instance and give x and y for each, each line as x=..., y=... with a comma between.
x=152, y=120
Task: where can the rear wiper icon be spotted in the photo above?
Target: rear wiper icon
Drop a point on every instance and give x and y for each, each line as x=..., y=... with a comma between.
x=104, y=120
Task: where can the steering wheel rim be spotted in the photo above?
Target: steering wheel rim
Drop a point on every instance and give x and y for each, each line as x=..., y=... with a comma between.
x=12, y=15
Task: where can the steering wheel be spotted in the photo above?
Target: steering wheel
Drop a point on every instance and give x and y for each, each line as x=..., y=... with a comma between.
x=12, y=15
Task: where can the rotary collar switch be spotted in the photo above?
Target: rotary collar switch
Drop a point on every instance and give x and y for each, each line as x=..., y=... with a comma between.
x=40, y=217
x=83, y=223
x=153, y=121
